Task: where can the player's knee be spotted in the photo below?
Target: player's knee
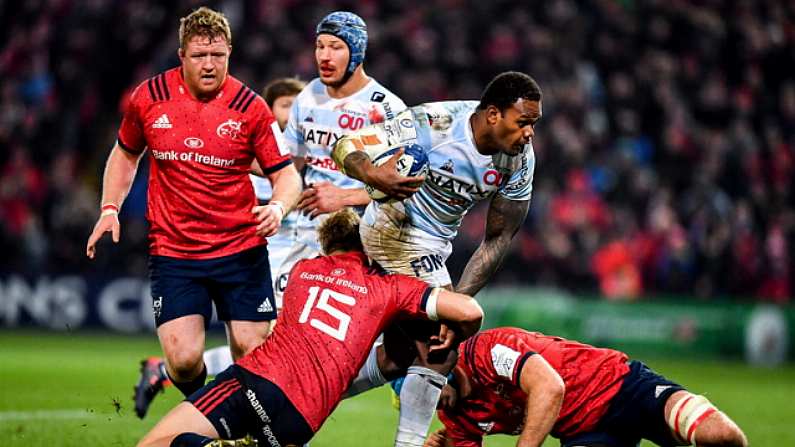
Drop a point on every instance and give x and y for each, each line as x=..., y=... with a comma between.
x=186, y=364
x=695, y=420
x=243, y=343
x=727, y=434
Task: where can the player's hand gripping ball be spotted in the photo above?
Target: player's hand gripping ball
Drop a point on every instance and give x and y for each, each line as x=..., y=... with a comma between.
x=413, y=163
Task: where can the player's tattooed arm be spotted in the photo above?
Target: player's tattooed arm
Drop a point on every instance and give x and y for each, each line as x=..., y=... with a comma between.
x=502, y=222
x=357, y=164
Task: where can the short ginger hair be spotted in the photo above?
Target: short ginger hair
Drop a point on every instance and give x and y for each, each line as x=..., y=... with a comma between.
x=340, y=232
x=204, y=22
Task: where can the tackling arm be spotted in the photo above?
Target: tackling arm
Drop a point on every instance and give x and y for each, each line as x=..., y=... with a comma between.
x=459, y=309
x=545, y=390
x=503, y=221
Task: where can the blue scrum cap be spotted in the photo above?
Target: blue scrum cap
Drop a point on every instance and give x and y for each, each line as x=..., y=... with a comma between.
x=351, y=29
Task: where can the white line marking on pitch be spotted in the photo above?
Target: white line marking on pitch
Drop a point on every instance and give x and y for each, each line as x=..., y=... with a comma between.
x=6, y=416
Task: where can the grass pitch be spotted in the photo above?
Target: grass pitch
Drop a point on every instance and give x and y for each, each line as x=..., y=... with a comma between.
x=74, y=389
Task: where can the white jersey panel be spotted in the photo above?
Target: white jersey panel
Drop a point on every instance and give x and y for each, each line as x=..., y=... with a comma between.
x=459, y=175
x=317, y=121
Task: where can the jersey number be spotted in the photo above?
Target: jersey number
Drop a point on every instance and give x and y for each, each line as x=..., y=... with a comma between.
x=344, y=319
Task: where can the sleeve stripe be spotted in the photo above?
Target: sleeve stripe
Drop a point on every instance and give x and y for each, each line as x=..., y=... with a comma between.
x=469, y=347
x=425, y=295
x=162, y=78
x=243, y=99
x=157, y=87
x=519, y=365
x=151, y=90
x=277, y=166
x=239, y=92
x=248, y=103
x=127, y=148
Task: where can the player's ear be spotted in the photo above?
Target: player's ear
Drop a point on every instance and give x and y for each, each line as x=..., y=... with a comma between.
x=180, y=53
x=493, y=115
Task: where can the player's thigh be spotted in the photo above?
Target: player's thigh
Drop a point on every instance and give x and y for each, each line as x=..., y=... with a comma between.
x=178, y=289
x=184, y=418
x=244, y=336
x=241, y=287
x=237, y=402
x=400, y=248
x=638, y=409
x=182, y=340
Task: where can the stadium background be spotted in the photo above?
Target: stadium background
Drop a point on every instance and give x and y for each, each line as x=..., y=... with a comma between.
x=662, y=217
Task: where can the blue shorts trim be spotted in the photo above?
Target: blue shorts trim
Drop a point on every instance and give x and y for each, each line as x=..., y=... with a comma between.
x=238, y=402
x=239, y=285
x=636, y=412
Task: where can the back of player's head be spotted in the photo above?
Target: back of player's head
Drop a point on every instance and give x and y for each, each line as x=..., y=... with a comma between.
x=282, y=87
x=340, y=232
x=351, y=29
x=204, y=22
x=507, y=88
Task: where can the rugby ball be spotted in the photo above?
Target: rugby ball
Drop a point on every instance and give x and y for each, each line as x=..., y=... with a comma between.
x=412, y=163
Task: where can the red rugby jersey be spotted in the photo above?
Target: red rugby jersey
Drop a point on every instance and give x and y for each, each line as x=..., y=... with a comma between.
x=334, y=309
x=494, y=359
x=200, y=198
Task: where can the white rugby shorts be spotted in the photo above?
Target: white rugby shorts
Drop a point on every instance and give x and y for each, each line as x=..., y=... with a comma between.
x=399, y=247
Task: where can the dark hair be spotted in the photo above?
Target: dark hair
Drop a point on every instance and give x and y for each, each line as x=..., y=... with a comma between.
x=340, y=232
x=507, y=88
x=281, y=87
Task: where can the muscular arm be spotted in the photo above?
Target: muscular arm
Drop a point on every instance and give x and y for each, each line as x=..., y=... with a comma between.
x=286, y=186
x=351, y=157
x=502, y=222
x=545, y=391
x=119, y=174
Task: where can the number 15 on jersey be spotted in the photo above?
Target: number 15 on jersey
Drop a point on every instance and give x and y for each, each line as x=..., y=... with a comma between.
x=323, y=304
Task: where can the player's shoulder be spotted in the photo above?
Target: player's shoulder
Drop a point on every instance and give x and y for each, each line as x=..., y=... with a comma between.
x=440, y=116
x=313, y=93
x=376, y=92
x=158, y=88
x=312, y=89
x=506, y=336
x=242, y=98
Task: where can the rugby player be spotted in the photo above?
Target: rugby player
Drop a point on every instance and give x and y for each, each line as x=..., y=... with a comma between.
x=203, y=129
x=335, y=306
x=528, y=384
x=477, y=150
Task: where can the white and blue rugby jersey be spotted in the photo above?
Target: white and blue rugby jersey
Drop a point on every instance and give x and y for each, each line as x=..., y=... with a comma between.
x=317, y=121
x=459, y=175
x=279, y=244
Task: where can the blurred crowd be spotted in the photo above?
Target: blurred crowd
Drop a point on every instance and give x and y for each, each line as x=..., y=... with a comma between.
x=665, y=157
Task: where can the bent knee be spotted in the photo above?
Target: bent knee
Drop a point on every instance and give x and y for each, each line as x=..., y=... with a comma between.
x=244, y=341
x=185, y=364
x=726, y=434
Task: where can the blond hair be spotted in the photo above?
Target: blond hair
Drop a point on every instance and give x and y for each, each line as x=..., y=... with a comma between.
x=340, y=232
x=206, y=23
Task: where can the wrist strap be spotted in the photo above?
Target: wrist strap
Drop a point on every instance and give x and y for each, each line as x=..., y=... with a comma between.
x=109, y=209
x=279, y=204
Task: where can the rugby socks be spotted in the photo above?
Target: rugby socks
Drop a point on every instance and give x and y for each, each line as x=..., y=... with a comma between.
x=418, y=398
x=194, y=385
x=191, y=440
x=216, y=360
x=369, y=376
